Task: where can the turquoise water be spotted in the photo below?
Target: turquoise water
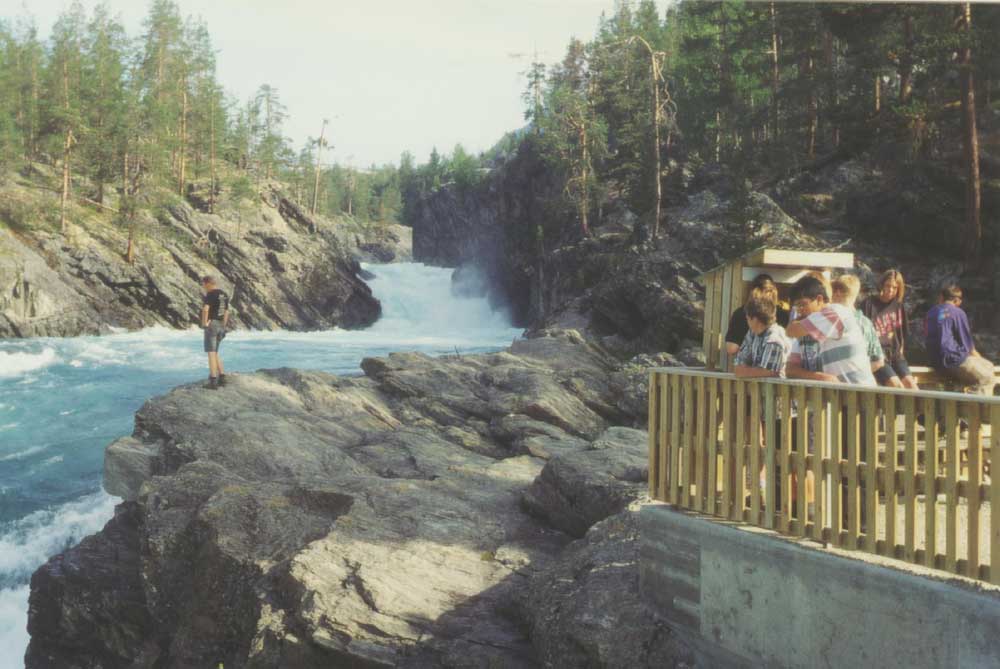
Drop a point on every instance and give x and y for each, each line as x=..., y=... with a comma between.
x=63, y=400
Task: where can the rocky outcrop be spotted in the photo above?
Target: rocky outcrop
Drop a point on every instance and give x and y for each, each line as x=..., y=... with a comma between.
x=580, y=487
x=615, y=286
x=282, y=267
x=584, y=610
x=299, y=519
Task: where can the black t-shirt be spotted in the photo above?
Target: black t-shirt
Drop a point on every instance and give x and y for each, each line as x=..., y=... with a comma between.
x=738, y=326
x=218, y=304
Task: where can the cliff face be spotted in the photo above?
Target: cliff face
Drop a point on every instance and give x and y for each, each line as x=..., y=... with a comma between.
x=421, y=515
x=615, y=286
x=491, y=228
x=282, y=267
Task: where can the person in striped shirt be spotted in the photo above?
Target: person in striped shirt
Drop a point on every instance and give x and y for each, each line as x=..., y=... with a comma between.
x=842, y=349
x=765, y=348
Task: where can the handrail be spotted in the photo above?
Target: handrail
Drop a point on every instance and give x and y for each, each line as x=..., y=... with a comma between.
x=893, y=472
x=881, y=390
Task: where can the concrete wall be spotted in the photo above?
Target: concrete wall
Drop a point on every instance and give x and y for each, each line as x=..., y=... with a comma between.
x=751, y=598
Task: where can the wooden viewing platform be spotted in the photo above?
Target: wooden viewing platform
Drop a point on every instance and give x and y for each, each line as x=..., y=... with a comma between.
x=898, y=473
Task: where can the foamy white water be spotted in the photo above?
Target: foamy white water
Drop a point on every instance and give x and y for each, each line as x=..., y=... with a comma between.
x=63, y=400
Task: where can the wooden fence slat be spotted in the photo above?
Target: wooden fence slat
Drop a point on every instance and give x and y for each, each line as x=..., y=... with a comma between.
x=889, y=412
x=755, y=441
x=930, y=479
x=801, y=449
x=994, y=495
x=870, y=418
x=974, y=499
x=837, y=437
x=755, y=464
x=698, y=446
x=770, y=444
x=712, y=446
x=708, y=337
x=853, y=492
x=675, y=439
x=739, y=476
x=654, y=422
x=952, y=465
x=688, y=442
x=785, y=458
x=817, y=414
x=727, y=448
x=910, y=491
x=663, y=481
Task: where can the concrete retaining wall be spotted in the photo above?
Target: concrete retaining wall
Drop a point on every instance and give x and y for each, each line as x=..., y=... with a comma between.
x=751, y=598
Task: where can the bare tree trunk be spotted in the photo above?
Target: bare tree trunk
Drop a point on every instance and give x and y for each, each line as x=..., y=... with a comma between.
x=319, y=154
x=878, y=93
x=67, y=145
x=585, y=203
x=183, y=153
x=973, y=226
x=906, y=62
x=211, y=150
x=813, y=108
x=775, y=73
x=657, y=119
x=831, y=68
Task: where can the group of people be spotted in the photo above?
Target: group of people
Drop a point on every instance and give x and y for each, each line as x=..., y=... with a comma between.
x=825, y=336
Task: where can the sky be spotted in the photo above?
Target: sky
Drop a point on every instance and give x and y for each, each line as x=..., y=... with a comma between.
x=391, y=75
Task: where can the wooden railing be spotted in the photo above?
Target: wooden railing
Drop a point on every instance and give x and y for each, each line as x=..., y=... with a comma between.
x=899, y=473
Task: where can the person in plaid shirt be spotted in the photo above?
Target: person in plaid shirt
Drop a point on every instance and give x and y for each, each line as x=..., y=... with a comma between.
x=842, y=349
x=764, y=351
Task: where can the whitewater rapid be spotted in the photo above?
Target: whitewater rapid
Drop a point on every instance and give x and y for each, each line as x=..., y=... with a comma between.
x=63, y=400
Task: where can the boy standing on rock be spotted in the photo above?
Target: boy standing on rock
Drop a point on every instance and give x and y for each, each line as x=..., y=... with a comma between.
x=214, y=319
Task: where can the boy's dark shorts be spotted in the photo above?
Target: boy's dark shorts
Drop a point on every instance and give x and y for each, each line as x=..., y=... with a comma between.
x=898, y=368
x=214, y=334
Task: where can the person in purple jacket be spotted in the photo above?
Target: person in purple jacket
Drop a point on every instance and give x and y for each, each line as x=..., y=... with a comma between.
x=950, y=345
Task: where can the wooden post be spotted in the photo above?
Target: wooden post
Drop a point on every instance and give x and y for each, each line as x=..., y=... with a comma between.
x=836, y=475
x=994, y=495
x=728, y=435
x=930, y=482
x=711, y=445
x=870, y=417
x=770, y=443
x=974, y=497
x=801, y=451
x=951, y=485
x=755, y=441
x=817, y=414
x=739, y=477
x=688, y=454
x=675, y=438
x=853, y=492
x=889, y=411
x=910, y=478
x=653, y=425
x=664, y=437
x=786, y=459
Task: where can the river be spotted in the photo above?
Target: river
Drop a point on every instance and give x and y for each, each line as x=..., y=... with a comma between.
x=63, y=400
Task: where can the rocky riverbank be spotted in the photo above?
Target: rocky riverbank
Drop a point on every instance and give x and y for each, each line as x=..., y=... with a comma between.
x=283, y=267
x=424, y=514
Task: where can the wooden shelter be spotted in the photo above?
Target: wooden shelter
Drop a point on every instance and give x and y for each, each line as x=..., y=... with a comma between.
x=728, y=286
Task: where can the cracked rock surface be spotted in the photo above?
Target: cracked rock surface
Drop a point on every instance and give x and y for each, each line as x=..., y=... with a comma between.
x=300, y=519
x=283, y=269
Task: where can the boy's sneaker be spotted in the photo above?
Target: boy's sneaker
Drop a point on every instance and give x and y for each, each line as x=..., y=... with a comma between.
x=212, y=383
x=222, y=380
